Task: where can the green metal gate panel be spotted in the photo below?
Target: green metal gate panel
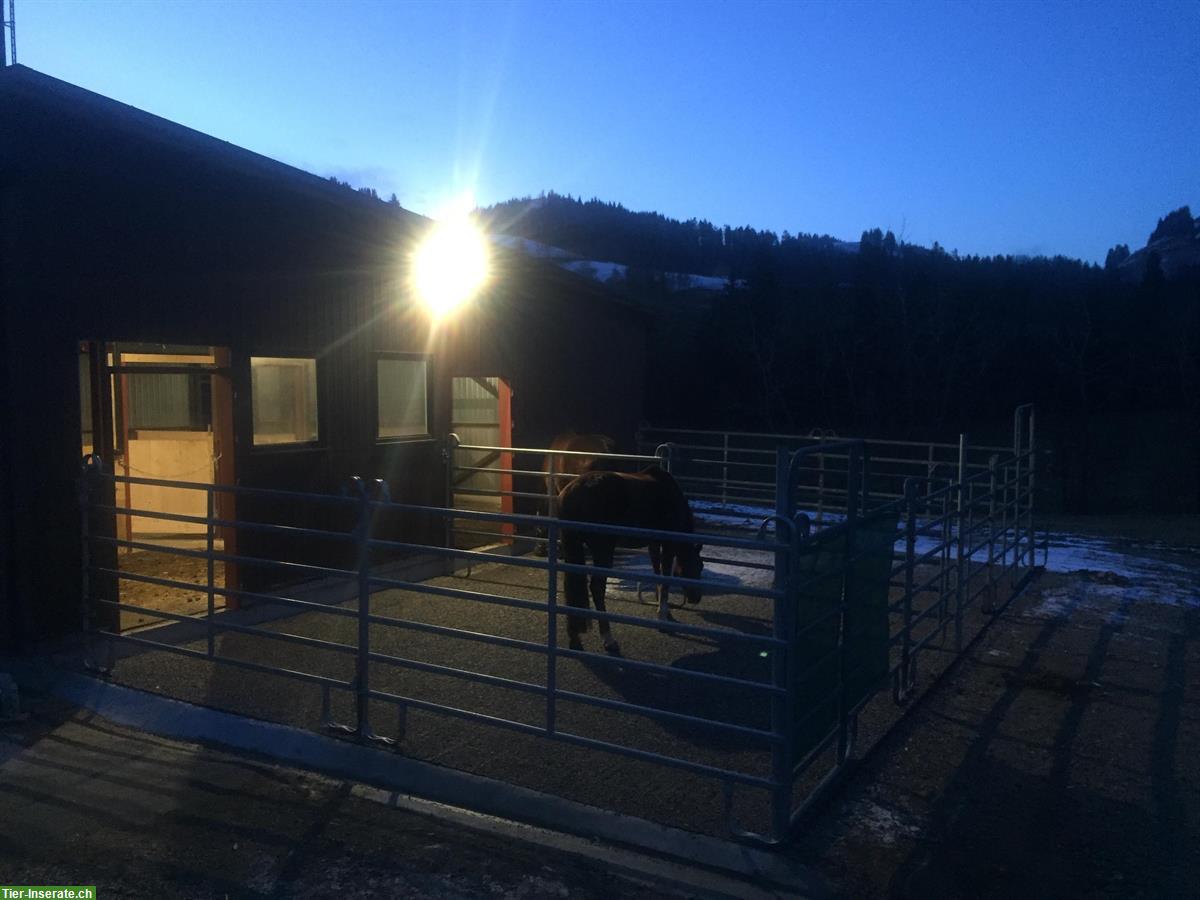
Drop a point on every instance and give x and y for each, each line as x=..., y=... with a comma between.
x=828, y=581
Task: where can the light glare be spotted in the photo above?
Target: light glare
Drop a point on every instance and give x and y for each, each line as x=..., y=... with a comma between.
x=450, y=265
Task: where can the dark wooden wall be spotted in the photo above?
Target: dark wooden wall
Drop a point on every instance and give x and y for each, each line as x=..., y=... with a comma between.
x=116, y=226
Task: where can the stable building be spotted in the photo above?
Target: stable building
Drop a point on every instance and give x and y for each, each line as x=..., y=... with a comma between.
x=190, y=310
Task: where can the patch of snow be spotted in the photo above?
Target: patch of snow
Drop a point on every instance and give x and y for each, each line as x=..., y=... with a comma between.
x=528, y=247
x=736, y=567
x=1113, y=600
x=681, y=281
x=603, y=270
x=713, y=512
x=1056, y=605
x=1167, y=575
x=734, y=520
x=598, y=271
x=712, y=506
x=882, y=823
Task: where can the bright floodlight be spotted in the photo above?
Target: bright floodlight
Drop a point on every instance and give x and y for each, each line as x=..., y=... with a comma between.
x=450, y=265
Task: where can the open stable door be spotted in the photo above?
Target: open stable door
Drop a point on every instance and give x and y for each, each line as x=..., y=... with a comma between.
x=482, y=417
x=161, y=415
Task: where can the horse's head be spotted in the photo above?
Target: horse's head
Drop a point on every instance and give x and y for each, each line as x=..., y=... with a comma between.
x=689, y=565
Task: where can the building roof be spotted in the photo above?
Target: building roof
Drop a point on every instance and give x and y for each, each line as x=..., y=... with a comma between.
x=69, y=103
x=86, y=130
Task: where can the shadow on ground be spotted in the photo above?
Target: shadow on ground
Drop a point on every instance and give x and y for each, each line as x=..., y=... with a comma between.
x=1058, y=760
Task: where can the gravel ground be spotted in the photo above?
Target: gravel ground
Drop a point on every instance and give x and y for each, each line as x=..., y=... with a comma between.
x=173, y=567
x=1056, y=759
x=1059, y=759
x=669, y=795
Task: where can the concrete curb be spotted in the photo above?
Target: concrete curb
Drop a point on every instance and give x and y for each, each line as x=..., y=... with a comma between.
x=419, y=786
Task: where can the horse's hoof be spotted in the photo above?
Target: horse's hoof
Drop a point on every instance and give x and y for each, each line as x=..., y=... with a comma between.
x=612, y=648
x=540, y=550
x=575, y=644
x=665, y=616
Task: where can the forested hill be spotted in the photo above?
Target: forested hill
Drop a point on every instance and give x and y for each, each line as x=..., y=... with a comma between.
x=607, y=231
x=883, y=338
x=599, y=230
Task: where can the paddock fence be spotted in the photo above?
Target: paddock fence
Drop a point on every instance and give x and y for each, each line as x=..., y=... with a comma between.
x=361, y=615
x=728, y=470
x=508, y=479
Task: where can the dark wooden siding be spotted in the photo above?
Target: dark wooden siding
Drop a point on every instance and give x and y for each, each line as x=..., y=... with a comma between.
x=117, y=226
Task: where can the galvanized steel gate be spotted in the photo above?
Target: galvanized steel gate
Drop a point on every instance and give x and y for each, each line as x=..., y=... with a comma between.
x=838, y=598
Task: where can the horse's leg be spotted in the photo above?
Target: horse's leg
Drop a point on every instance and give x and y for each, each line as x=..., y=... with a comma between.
x=657, y=560
x=545, y=507
x=575, y=587
x=540, y=549
x=668, y=568
x=603, y=553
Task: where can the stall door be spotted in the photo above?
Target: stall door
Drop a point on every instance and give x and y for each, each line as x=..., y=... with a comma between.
x=170, y=411
x=482, y=417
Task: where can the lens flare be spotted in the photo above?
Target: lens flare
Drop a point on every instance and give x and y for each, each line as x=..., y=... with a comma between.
x=450, y=265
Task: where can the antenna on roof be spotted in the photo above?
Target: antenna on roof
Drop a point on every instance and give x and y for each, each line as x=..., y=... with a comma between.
x=11, y=24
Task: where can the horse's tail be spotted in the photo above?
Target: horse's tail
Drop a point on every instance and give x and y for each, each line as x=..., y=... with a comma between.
x=575, y=583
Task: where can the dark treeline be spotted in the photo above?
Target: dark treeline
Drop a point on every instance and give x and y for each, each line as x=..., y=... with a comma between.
x=596, y=229
x=904, y=341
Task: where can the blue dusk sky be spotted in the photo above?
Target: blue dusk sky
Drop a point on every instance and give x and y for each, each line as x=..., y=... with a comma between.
x=1023, y=128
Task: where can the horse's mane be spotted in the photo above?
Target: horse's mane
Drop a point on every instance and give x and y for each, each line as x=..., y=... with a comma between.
x=600, y=443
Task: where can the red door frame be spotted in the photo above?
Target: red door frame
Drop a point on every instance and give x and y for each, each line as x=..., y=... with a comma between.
x=504, y=415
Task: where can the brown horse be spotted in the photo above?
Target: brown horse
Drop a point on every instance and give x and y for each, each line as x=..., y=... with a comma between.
x=651, y=500
x=559, y=469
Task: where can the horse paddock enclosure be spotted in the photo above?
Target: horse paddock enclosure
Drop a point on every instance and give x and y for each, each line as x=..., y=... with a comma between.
x=866, y=569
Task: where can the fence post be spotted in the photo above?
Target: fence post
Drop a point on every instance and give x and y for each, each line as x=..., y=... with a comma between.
x=1032, y=474
x=551, y=484
x=962, y=566
x=1017, y=441
x=211, y=545
x=943, y=557
x=85, y=531
x=666, y=456
x=854, y=490
x=864, y=482
x=820, y=488
x=1003, y=491
x=783, y=705
x=991, y=559
x=362, y=534
x=930, y=468
x=450, y=456
x=552, y=626
x=854, y=482
x=906, y=674
x=725, y=472
x=92, y=467
x=783, y=500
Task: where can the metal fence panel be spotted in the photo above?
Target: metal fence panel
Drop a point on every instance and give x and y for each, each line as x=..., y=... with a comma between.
x=851, y=591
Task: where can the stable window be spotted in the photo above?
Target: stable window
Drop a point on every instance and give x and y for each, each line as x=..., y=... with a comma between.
x=169, y=402
x=403, y=397
x=284, y=397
